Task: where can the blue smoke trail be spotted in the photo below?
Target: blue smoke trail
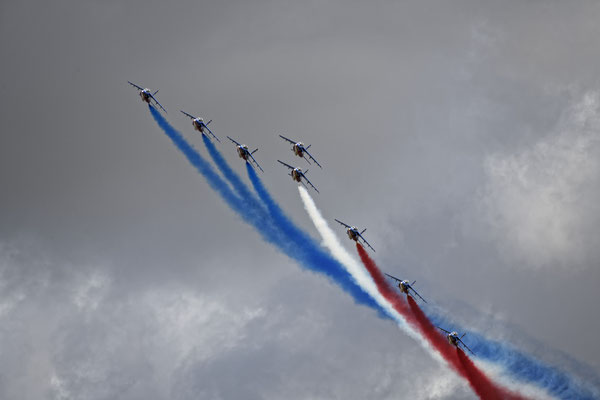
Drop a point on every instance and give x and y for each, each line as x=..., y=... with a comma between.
x=232, y=177
x=284, y=222
x=306, y=256
x=281, y=232
x=237, y=204
x=521, y=366
x=314, y=253
x=516, y=363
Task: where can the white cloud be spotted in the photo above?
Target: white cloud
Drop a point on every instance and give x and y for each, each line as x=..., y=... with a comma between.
x=89, y=293
x=538, y=201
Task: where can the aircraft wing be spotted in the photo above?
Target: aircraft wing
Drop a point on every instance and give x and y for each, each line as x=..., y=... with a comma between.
x=313, y=186
x=233, y=141
x=340, y=222
x=133, y=84
x=255, y=162
x=466, y=347
x=289, y=140
x=189, y=115
x=208, y=129
x=367, y=243
x=312, y=158
x=415, y=292
x=448, y=332
x=287, y=165
x=393, y=277
x=156, y=101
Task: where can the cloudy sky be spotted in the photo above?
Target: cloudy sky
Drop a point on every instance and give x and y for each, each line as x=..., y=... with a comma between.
x=464, y=135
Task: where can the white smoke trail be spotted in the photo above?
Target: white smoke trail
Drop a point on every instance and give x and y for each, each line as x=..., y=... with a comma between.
x=353, y=267
x=364, y=280
x=529, y=390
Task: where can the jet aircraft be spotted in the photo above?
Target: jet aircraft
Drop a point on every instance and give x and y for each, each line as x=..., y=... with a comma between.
x=455, y=340
x=244, y=153
x=199, y=125
x=147, y=95
x=406, y=287
x=299, y=150
x=354, y=234
x=297, y=175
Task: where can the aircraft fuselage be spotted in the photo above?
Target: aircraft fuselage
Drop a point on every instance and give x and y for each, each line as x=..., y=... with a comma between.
x=243, y=152
x=299, y=149
x=403, y=287
x=453, y=338
x=198, y=125
x=145, y=95
x=352, y=233
x=297, y=174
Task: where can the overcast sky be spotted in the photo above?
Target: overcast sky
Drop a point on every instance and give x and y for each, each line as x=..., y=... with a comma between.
x=464, y=135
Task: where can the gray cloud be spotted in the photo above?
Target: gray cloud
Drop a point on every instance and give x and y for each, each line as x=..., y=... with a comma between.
x=76, y=339
x=541, y=200
x=123, y=273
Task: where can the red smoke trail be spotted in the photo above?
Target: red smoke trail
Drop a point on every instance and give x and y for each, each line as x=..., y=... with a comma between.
x=480, y=383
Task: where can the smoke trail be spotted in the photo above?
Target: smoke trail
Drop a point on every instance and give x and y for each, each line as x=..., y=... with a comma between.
x=214, y=180
x=232, y=177
x=276, y=212
x=236, y=203
x=312, y=254
x=515, y=362
x=519, y=365
x=338, y=251
x=524, y=367
x=316, y=261
x=485, y=387
x=480, y=383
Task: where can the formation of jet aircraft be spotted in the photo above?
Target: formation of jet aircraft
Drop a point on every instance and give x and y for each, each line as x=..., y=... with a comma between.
x=300, y=150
